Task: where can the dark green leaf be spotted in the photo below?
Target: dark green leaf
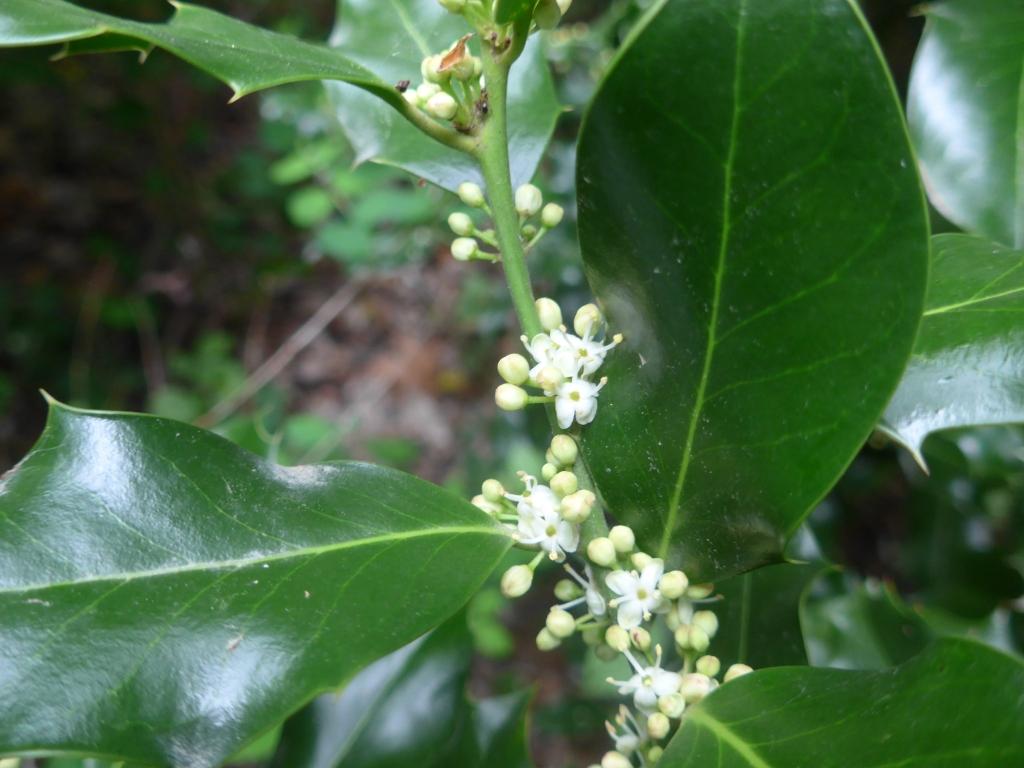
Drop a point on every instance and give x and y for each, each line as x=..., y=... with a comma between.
x=165, y=596
x=956, y=704
x=966, y=112
x=510, y=10
x=245, y=57
x=968, y=361
x=853, y=625
x=392, y=38
x=410, y=708
x=751, y=218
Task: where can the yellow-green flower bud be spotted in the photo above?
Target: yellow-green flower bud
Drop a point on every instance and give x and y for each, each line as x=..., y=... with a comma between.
x=516, y=581
x=528, y=200
x=563, y=6
x=413, y=97
x=551, y=215
x=564, y=450
x=547, y=641
x=493, y=490
x=509, y=397
x=615, y=760
x=587, y=319
x=567, y=589
x=658, y=726
x=471, y=194
x=641, y=638
x=707, y=621
x=673, y=584
x=430, y=68
x=654, y=754
x=550, y=378
x=549, y=312
x=426, y=90
x=672, y=705
x=591, y=636
x=461, y=224
x=640, y=560
x=442, y=106
x=605, y=652
x=482, y=503
x=547, y=14
x=622, y=538
x=564, y=483
x=692, y=638
x=548, y=471
x=514, y=369
x=601, y=551
x=617, y=638
x=709, y=665
x=575, y=507
x=464, y=248
x=699, y=591
x=737, y=670
x=560, y=623
x=695, y=687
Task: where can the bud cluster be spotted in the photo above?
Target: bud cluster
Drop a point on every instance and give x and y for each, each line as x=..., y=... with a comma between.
x=563, y=365
x=452, y=86
x=535, y=218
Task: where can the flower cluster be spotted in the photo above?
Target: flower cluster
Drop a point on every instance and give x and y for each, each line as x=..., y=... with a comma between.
x=452, y=85
x=535, y=220
x=563, y=365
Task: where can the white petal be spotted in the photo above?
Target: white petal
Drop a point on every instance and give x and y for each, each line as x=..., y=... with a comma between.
x=666, y=682
x=595, y=603
x=652, y=573
x=586, y=410
x=645, y=698
x=630, y=614
x=565, y=411
x=621, y=582
x=568, y=536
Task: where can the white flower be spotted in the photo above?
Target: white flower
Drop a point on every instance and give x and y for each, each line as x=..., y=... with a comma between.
x=587, y=354
x=547, y=352
x=648, y=683
x=577, y=399
x=638, y=593
x=591, y=595
x=536, y=500
x=550, y=532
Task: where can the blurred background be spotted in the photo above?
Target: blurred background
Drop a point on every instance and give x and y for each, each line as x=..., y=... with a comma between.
x=226, y=265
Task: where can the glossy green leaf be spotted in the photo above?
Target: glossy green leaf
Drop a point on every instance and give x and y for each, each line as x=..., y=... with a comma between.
x=968, y=363
x=853, y=625
x=391, y=39
x=956, y=704
x=165, y=596
x=245, y=57
x=510, y=10
x=751, y=219
x=966, y=113
x=410, y=708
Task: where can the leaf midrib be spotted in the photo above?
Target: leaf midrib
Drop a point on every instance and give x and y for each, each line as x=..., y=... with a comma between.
x=724, y=734
x=971, y=302
x=217, y=565
x=677, y=493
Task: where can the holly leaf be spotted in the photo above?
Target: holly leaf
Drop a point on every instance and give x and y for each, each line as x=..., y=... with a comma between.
x=968, y=361
x=392, y=39
x=958, y=702
x=245, y=57
x=966, y=113
x=752, y=221
x=165, y=596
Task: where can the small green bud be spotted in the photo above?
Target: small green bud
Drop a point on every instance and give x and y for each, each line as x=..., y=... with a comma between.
x=658, y=726
x=641, y=638
x=464, y=248
x=587, y=319
x=601, y=551
x=592, y=636
x=560, y=623
x=551, y=215
x=622, y=538
x=442, y=106
x=709, y=665
x=707, y=621
x=547, y=14
x=563, y=6
x=605, y=652
x=509, y=397
x=548, y=471
x=654, y=754
x=575, y=507
x=615, y=760
x=550, y=378
x=692, y=638
x=564, y=449
x=461, y=224
x=640, y=560
x=430, y=68
x=549, y=311
x=528, y=231
x=567, y=589
x=673, y=584
x=564, y=483
x=528, y=200
x=617, y=638
x=695, y=687
x=425, y=90
x=514, y=369
x=549, y=457
x=672, y=705
x=672, y=620
x=737, y=670
x=471, y=194
x=547, y=641
x=493, y=490
x=482, y=503
x=516, y=581
x=699, y=591
x=412, y=96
